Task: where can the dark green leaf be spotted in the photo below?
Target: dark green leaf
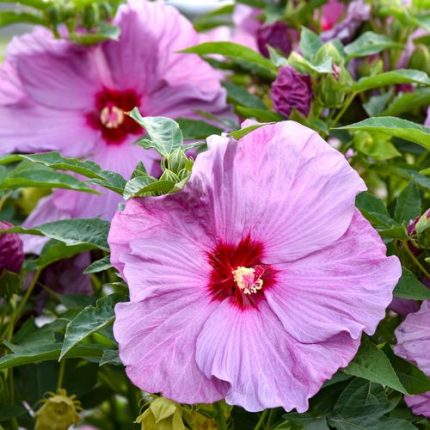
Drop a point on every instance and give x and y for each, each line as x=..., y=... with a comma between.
x=393, y=77
x=99, y=265
x=369, y=43
x=239, y=95
x=11, y=411
x=409, y=287
x=235, y=51
x=72, y=232
x=405, y=101
x=408, y=204
x=377, y=104
x=395, y=127
x=195, y=129
x=110, y=356
x=88, y=321
x=372, y=364
x=262, y=115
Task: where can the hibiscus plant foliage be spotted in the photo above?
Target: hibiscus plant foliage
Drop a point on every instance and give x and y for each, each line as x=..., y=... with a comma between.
x=215, y=221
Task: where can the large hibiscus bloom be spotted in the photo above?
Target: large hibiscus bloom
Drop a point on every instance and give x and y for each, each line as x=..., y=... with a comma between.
x=55, y=95
x=413, y=344
x=256, y=281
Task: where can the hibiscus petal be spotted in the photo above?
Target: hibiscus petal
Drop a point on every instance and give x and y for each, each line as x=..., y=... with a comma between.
x=345, y=287
x=419, y=404
x=266, y=367
x=284, y=185
x=157, y=339
x=25, y=127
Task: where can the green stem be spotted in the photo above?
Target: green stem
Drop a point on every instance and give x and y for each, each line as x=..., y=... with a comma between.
x=345, y=106
x=262, y=419
x=220, y=417
x=17, y=314
x=61, y=374
x=415, y=260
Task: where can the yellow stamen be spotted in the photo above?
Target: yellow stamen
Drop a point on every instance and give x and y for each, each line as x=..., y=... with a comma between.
x=245, y=280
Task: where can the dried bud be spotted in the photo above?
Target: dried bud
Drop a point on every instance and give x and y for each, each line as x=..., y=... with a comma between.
x=291, y=90
x=58, y=412
x=275, y=35
x=11, y=250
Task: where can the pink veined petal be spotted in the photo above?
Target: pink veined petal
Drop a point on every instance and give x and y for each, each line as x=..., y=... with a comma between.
x=282, y=183
x=345, y=287
x=264, y=366
x=413, y=338
x=156, y=234
x=419, y=404
x=56, y=74
x=157, y=342
x=26, y=127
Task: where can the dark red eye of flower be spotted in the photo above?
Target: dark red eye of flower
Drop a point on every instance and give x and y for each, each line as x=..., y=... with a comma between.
x=109, y=115
x=238, y=272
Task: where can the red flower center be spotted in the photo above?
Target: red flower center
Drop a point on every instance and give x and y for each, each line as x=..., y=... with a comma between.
x=109, y=115
x=238, y=272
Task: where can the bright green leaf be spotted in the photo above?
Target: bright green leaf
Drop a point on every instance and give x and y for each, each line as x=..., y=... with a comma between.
x=369, y=43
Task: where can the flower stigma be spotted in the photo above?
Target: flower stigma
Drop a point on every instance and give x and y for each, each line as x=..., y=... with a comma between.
x=111, y=116
x=248, y=279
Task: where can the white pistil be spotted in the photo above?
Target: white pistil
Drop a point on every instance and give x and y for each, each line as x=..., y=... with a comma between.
x=112, y=116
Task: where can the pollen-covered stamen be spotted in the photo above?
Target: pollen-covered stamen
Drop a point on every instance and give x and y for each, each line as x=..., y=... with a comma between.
x=112, y=116
x=248, y=279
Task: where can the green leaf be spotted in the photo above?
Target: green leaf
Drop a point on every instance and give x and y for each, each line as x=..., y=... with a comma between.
x=304, y=66
x=141, y=186
x=394, y=127
x=377, y=104
x=404, y=101
x=164, y=134
x=310, y=43
x=261, y=115
x=88, y=321
x=239, y=95
x=371, y=423
x=195, y=129
x=110, y=356
x=377, y=145
x=89, y=169
x=393, y=77
x=375, y=211
x=11, y=411
x=238, y=134
x=105, y=32
x=28, y=175
x=54, y=251
x=408, y=205
x=45, y=352
x=234, y=51
x=409, y=287
x=11, y=17
x=372, y=364
x=91, y=231
x=369, y=43
x=99, y=265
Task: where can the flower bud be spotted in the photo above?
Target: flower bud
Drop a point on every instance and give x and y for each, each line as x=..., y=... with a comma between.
x=422, y=227
x=333, y=87
x=162, y=414
x=58, y=412
x=11, y=250
x=275, y=35
x=420, y=59
x=291, y=90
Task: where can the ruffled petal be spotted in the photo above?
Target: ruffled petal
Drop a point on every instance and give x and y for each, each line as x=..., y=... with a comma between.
x=282, y=184
x=265, y=367
x=345, y=287
x=155, y=250
x=413, y=338
x=57, y=74
x=157, y=343
x=419, y=404
x=25, y=127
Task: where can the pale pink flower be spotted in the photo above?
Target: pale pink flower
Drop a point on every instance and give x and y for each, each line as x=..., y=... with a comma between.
x=255, y=282
x=55, y=95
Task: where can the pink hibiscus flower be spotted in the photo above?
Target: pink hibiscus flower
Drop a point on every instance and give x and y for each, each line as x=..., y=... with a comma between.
x=55, y=95
x=254, y=283
x=413, y=344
